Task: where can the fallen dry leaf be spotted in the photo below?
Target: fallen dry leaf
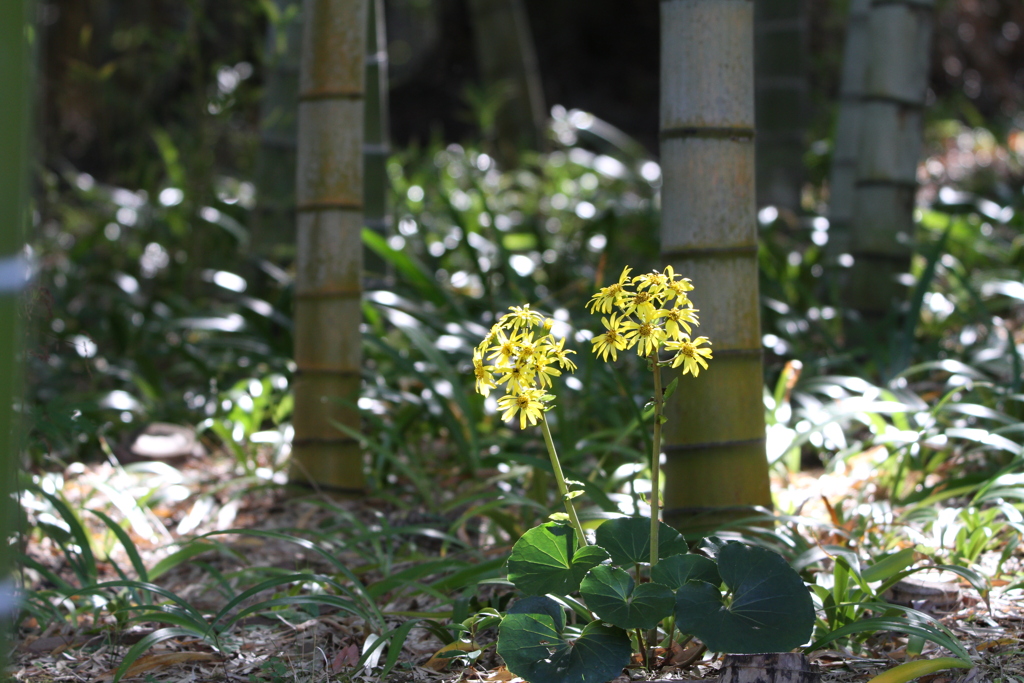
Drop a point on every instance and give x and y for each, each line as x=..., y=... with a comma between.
x=151, y=662
x=501, y=674
x=439, y=663
x=346, y=657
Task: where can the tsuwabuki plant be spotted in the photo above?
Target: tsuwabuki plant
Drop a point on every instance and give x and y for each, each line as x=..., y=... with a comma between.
x=638, y=574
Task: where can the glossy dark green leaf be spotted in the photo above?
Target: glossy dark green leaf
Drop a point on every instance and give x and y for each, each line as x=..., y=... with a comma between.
x=613, y=595
x=536, y=646
x=770, y=609
x=628, y=540
x=676, y=570
x=545, y=560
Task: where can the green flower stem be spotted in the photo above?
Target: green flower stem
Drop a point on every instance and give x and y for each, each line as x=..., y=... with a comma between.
x=570, y=509
x=659, y=401
x=643, y=648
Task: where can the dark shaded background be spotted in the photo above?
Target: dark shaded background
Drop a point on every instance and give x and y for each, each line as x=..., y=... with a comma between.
x=112, y=71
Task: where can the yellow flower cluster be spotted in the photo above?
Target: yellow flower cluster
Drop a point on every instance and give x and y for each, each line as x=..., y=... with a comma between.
x=650, y=312
x=523, y=355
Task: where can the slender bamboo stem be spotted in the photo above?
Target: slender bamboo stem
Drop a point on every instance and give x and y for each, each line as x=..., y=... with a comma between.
x=570, y=509
x=659, y=400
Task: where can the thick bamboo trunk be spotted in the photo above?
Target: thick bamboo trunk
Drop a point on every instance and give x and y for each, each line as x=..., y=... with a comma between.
x=780, y=42
x=505, y=54
x=273, y=224
x=847, y=136
x=377, y=141
x=899, y=40
x=329, y=193
x=13, y=270
x=714, y=438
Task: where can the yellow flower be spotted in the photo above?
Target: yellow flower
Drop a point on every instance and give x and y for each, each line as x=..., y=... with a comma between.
x=542, y=364
x=654, y=282
x=484, y=378
x=486, y=341
x=526, y=346
x=559, y=352
x=678, y=288
x=525, y=357
x=518, y=377
x=612, y=341
x=603, y=301
x=529, y=405
x=640, y=302
x=689, y=355
x=647, y=334
x=676, y=318
x=521, y=316
x=504, y=347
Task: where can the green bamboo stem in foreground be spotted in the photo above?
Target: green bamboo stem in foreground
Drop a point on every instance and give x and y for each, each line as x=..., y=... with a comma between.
x=659, y=400
x=14, y=61
x=570, y=509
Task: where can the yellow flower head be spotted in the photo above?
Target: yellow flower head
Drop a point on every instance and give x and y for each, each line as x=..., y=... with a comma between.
x=654, y=282
x=518, y=377
x=647, y=334
x=543, y=365
x=559, y=352
x=505, y=347
x=522, y=316
x=654, y=313
x=525, y=357
x=609, y=296
x=677, y=319
x=677, y=287
x=640, y=302
x=689, y=355
x=613, y=340
x=484, y=378
x=529, y=405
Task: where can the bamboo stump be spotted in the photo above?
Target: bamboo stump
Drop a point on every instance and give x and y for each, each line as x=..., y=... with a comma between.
x=782, y=667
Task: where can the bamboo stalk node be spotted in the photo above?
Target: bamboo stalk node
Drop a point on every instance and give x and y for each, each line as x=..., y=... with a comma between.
x=727, y=132
x=669, y=449
x=314, y=95
x=327, y=205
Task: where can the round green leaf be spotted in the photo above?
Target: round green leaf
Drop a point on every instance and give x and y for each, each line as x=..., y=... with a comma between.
x=611, y=593
x=545, y=560
x=628, y=540
x=770, y=610
x=538, y=604
x=537, y=647
x=676, y=570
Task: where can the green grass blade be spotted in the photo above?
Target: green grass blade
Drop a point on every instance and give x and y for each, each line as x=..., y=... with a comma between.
x=86, y=567
x=191, y=550
x=126, y=542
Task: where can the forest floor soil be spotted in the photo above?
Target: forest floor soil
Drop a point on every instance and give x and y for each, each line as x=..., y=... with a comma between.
x=89, y=646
